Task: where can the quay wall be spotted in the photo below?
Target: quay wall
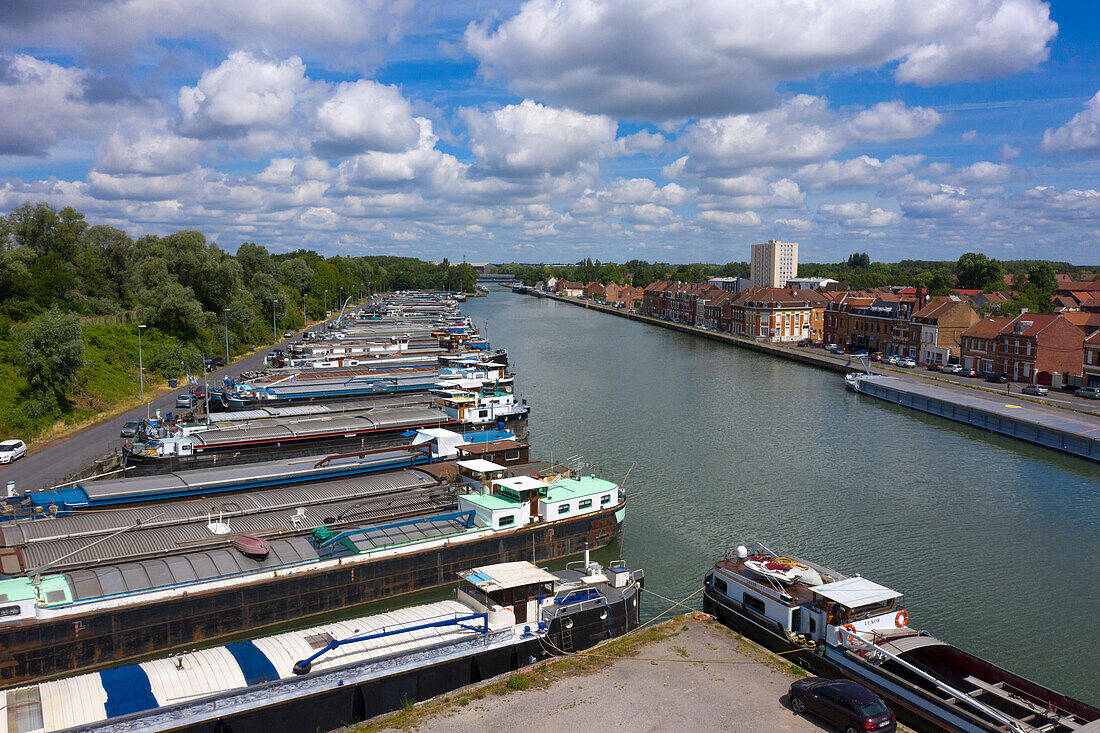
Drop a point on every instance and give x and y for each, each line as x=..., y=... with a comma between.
x=1031, y=427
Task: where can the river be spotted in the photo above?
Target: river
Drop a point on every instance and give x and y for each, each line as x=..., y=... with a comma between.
x=992, y=541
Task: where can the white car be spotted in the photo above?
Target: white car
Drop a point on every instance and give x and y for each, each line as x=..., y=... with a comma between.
x=952, y=369
x=908, y=362
x=892, y=359
x=12, y=450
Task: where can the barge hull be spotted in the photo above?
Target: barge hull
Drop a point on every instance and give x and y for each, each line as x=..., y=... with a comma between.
x=35, y=649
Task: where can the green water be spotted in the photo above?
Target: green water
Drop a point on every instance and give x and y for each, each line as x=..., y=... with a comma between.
x=993, y=541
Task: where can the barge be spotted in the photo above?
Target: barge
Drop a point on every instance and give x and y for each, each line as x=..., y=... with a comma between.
x=840, y=626
x=104, y=587
x=504, y=616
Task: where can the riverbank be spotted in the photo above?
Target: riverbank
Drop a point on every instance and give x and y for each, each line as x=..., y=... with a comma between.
x=1057, y=427
x=680, y=674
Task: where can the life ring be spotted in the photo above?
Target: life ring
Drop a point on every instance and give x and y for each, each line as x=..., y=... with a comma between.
x=902, y=618
x=849, y=628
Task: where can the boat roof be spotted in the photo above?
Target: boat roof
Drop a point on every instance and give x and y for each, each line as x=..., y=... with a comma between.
x=570, y=488
x=522, y=483
x=855, y=592
x=480, y=465
x=491, y=501
x=506, y=575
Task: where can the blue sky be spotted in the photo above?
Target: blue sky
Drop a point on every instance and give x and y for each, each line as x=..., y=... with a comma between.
x=674, y=130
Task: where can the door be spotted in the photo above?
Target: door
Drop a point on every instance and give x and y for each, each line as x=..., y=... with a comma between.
x=828, y=705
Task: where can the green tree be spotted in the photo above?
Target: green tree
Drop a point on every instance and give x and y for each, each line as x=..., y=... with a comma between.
x=296, y=274
x=975, y=270
x=1041, y=276
x=51, y=353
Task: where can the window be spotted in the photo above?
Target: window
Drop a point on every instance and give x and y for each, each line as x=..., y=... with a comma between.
x=506, y=520
x=585, y=504
x=319, y=641
x=512, y=455
x=720, y=585
x=483, y=413
x=754, y=604
x=563, y=508
x=605, y=499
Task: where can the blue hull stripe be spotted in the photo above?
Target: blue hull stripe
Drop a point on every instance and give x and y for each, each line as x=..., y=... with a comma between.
x=128, y=690
x=254, y=664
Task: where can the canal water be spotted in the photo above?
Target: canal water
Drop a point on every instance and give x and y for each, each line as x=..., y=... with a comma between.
x=993, y=542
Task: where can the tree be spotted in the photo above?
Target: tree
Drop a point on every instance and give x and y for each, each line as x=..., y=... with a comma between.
x=1041, y=277
x=857, y=260
x=975, y=270
x=296, y=274
x=51, y=354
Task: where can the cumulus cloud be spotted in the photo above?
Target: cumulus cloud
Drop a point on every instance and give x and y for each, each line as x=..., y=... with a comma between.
x=1048, y=201
x=857, y=214
x=365, y=115
x=147, y=152
x=1081, y=134
x=242, y=93
x=531, y=139
x=888, y=121
x=730, y=219
x=861, y=172
x=41, y=101
x=687, y=58
x=985, y=173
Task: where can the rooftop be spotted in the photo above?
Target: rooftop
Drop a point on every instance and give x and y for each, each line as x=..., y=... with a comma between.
x=855, y=592
x=506, y=575
x=480, y=465
x=570, y=488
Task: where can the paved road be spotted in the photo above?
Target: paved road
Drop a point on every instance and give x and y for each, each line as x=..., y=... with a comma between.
x=54, y=463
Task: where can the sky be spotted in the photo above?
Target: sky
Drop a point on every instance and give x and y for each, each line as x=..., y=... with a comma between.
x=555, y=130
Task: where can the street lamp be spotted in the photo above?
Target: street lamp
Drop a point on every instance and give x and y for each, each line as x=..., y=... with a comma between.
x=326, y=303
x=274, y=330
x=141, y=369
x=226, y=335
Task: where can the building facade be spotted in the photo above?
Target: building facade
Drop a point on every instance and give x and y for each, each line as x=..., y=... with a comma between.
x=942, y=321
x=1090, y=368
x=778, y=314
x=773, y=263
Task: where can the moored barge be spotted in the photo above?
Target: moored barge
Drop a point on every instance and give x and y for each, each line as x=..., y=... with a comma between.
x=845, y=626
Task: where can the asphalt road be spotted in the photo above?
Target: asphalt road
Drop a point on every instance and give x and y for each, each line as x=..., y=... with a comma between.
x=52, y=464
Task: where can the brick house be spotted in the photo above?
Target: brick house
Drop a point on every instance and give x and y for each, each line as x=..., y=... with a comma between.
x=570, y=288
x=1034, y=347
x=594, y=291
x=717, y=311
x=778, y=314
x=942, y=322
x=1090, y=367
x=836, y=320
x=978, y=344
x=876, y=328
x=982, y=300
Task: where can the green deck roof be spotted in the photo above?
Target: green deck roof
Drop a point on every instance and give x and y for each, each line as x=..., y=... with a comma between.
x=572, y=488
x=492, y=501
x=21, y=589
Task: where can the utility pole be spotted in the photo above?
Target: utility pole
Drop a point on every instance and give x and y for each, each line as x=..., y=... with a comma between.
x=141, y=370
x=227, y=336
x=274, y=329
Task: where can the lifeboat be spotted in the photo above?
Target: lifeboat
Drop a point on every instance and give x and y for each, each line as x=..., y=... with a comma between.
x=246, y=544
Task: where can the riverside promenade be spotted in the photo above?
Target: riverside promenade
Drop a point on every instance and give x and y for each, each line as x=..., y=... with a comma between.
x=1068, y=428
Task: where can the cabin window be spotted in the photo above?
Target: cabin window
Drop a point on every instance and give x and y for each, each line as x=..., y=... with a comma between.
x=754, y=604
x=813, y=625
x=507, y=520
x=605, y=499
x=512, y=455
x=720, y=585
x=796, y=620
x=585, y=504
x=563, y=508
x=483, y=413
x=9, y=611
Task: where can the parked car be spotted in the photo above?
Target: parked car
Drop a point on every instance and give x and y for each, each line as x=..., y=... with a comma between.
x=951, y=368
x=933, y=366
x=1035, y=389
x=876, y=356
x=287, y=334
x=186, y=400
x=968, y=373
x=12, y=450
x=834, y=349
x=804, y=342
x=1092, y=393
x=130, y=428
x=908, y=362
x=892, y=359
x=849, y=706
x=995, y=377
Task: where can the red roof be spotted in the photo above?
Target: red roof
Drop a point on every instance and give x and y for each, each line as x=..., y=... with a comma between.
x=988, y=327
x=1038, y=322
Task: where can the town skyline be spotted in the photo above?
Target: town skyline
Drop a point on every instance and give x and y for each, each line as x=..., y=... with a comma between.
x=555, y=132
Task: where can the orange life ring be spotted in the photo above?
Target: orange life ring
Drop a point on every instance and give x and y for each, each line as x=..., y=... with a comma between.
x=902, y=618
x=849, y=628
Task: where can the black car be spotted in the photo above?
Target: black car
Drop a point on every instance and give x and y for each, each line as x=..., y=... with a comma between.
x=849, y=706
x=805, y=342
x=213, y=362
x=130, y=428
x=994, y=377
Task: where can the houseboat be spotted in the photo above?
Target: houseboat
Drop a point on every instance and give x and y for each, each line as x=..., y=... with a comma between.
x=101, y=587
x=837, y=625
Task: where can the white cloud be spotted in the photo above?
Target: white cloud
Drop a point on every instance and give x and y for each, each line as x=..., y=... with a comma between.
x=148, y=152
x=861, y=172
x=365, y=115
x=857, y=214
x=530, y=139
x=686, y=58
x=642, y=141
x=1050, y=202
x=243, y=92
x=1080, y=134
x=1007, y=152
x=888, y=121
x=727, y=219
x=40, y=102
x=799, y=224
x=645, y=190
x=985, y=173
x=800, y=130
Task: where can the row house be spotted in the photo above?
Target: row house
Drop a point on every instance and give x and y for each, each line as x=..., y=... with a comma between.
x=718, y=311
x=1090, y=368
x=626, y=295
x=658, y=296
x=882, y=326
x=570, y=288
x=836, y=321
x=1044, y=348
x=942, y=322
x=594, y=291
x=778, y=314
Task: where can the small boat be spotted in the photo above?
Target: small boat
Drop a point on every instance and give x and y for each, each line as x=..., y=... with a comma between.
x=783, y=569
x=246, y=544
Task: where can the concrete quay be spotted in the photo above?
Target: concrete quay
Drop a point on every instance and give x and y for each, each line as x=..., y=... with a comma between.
x=684, y=675
x=1073, y=429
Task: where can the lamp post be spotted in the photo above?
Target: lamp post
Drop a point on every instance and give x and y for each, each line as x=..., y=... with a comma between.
x=141, y=369
x=274, y=330
x=326, y=303
x=227, y=335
